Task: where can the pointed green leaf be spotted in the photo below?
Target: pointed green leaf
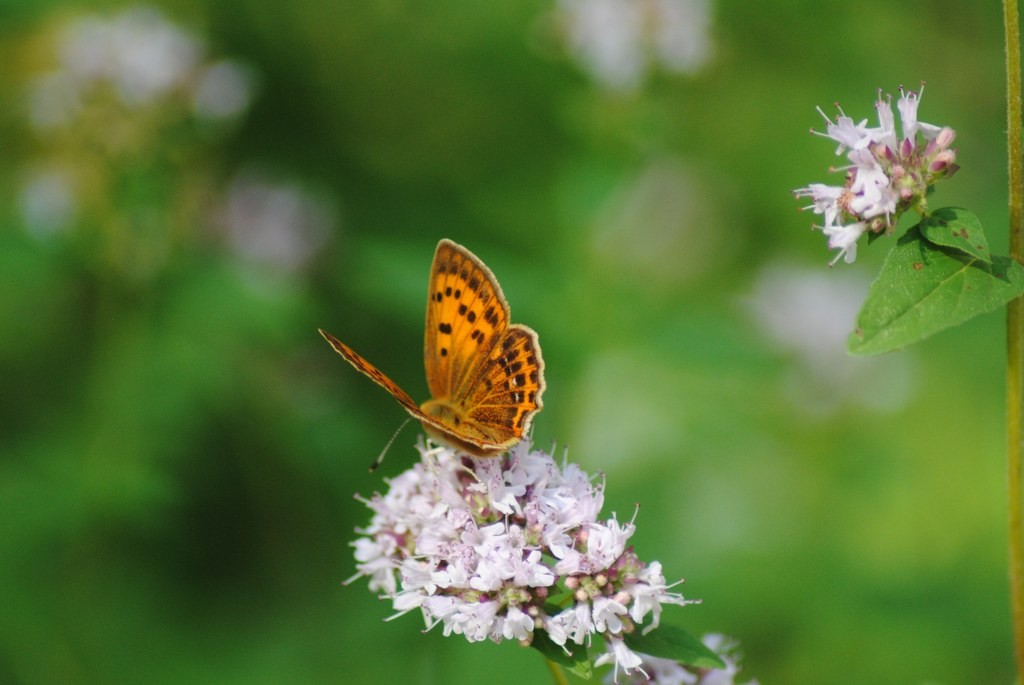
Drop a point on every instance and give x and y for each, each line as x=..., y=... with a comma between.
x=577, y=663
x=957, y=228
x=924, y=288
x=672, y=642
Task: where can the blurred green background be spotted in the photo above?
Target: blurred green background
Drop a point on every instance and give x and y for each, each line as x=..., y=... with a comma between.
x=190, y=189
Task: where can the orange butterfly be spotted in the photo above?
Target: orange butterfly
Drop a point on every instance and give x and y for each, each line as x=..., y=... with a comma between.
x=485, y=375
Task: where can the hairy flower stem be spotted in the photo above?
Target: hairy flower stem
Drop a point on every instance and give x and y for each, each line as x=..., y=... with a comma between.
x=1015, y=334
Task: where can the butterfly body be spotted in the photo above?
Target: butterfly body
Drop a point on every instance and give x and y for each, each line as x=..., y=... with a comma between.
x=485, y=375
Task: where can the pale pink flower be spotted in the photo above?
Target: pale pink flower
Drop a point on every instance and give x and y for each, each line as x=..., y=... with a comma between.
x=886, y=177
x=479, y=545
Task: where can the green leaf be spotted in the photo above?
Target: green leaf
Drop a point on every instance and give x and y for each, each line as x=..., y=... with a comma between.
x=959, y=229
x=578, y=663
x=924, y=288
x=672, y=642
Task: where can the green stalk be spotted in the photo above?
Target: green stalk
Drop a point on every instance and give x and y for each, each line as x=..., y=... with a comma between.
x=1015, y=334
x=557, y=674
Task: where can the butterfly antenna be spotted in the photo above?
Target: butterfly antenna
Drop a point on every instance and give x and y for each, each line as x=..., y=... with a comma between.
x=380, y=457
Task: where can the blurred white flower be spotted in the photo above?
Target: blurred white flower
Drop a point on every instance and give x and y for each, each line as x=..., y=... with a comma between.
x=223, y=91
x=681, y=34
x=273, y=223
x=728, y=649
x=138, y=50
x=484, y=566
x=619, y=40
x=47, y=202
x=151, y=55
x=664, y=222
x=809, y=314
x=649, y=416
x=656, y=671
x=141, y=57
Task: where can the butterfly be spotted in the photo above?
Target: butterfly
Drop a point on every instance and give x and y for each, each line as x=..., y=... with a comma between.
x=485, y=375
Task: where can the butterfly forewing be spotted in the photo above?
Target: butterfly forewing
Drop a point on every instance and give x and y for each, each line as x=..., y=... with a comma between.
x=439, y=428
x=466, y=315
x=373, y=372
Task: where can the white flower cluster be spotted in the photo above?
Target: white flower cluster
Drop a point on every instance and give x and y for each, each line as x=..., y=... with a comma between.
x=887, y=175
x=276, y=223
x=497, y=548
x=118, y=88
x=657, y=671
x=619, y=41
x=142, y=57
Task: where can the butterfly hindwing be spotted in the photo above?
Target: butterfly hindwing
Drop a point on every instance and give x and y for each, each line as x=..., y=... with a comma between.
x=507, y=392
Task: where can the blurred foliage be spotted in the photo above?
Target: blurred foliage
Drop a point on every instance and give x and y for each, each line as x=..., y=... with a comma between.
x=179, y=449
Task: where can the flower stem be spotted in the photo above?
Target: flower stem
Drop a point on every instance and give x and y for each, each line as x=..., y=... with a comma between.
x=1015, y=333
x=557, y=674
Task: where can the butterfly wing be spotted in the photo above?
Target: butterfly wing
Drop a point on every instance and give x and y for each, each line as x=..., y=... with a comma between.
x=485, y=376
x=466, y=316
x=506, y=392
x=374, y=373
x=474, y=442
